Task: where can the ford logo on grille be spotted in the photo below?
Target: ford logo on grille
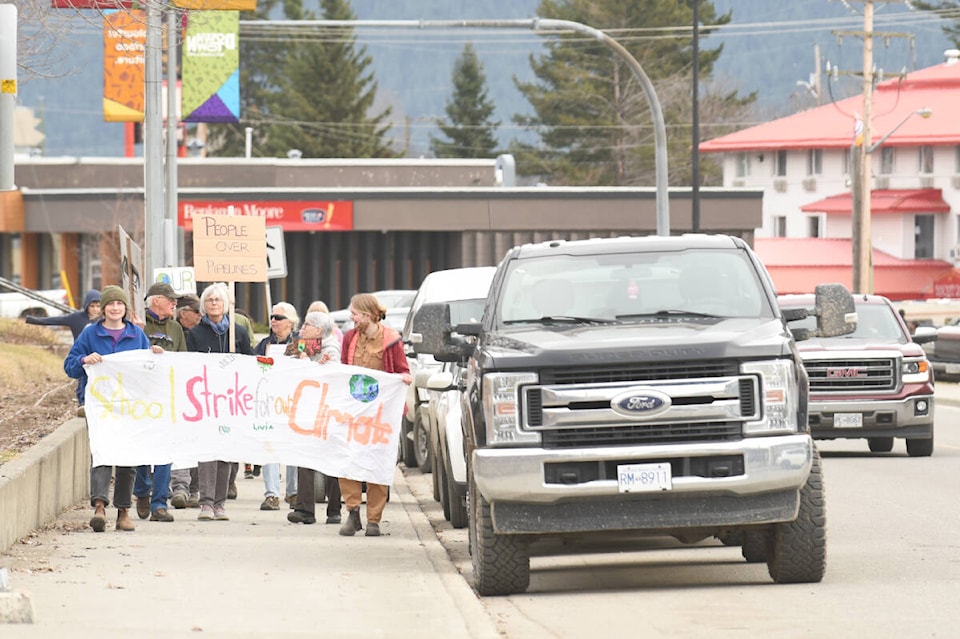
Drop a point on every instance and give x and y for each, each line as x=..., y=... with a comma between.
x=640, y=403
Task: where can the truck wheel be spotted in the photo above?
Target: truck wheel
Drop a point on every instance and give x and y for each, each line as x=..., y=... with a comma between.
x=319, y=487
x=754, y=548
x=798, y=549
x=920, y=447
x=731, y=539
x=501, y=563
x=458, y=510
x=406, y=444
x=421, y=445
x=880, y=444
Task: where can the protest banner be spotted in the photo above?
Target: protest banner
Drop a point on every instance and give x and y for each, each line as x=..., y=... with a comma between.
x=147, y=408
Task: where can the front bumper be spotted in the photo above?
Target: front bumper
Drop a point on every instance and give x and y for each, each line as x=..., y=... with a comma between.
x=761, y=486
x=899, y=417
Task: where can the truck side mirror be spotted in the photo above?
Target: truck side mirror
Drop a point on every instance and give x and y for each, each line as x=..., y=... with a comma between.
x=430, y=333
x=835, y=310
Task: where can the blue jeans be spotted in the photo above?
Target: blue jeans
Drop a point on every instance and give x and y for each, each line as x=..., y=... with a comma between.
x=271, y=480
x=160, y=485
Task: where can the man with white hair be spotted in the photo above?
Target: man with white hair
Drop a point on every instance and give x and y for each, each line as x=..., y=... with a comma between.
x=164, y=331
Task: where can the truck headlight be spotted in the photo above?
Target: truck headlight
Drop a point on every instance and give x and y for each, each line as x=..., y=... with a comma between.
x=915, y=371
x=780, y=396
x=501, y=408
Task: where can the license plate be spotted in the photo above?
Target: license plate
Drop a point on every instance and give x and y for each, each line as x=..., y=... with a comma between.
x=644, y=478
x=848, y=420
x=953, y=369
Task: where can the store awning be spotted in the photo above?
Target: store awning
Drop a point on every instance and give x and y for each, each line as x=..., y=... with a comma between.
x=884, y=201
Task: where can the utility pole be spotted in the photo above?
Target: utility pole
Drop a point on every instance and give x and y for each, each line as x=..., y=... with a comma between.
x=861, y=181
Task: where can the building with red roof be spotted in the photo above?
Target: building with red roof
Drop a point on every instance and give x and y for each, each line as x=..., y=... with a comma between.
x=802, y=164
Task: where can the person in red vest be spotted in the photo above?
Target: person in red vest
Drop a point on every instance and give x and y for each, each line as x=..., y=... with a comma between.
x=371, y=344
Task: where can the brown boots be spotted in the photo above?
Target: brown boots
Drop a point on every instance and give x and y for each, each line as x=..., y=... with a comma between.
x=99, y=520
x=123, y=520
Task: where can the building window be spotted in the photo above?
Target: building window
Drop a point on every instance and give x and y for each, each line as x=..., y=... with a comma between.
x=925, y=157
x=815, y=162
x=780, y=164
x=780, y=226
x=956, y=161
x=923, y=237
x=846, y=162
x=743, y=165
x=814, y=226
x=888, y=160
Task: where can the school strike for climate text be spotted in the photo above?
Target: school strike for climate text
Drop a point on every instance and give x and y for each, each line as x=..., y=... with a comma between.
x=146, y=408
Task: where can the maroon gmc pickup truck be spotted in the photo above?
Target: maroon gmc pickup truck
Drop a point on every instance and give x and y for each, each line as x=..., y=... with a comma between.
x=875, y=383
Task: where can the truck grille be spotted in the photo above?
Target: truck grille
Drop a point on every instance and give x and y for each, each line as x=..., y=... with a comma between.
x=852, y=375
x=701, y=408
x=637, y=372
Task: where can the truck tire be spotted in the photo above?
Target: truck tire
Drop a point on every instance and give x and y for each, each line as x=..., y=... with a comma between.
x=319, y=487
x=458, y=515
x=501, y=563
x=920, y=447
x=407, y=454
x=798, y=549
x=755, y=546
x=421, y=446
x=880, y=444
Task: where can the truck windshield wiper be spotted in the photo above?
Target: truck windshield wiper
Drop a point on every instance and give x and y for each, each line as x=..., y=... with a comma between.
x=667, y=313
x=562, y=319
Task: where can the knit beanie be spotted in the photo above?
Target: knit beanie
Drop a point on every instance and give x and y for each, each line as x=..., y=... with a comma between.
x=113, y=294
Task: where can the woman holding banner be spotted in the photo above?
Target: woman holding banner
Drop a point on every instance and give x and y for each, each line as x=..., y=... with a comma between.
x=212, y=335
x=112, y=333
x=370, y=344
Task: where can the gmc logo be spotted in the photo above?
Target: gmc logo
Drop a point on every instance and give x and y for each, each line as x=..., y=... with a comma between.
x=845, y=372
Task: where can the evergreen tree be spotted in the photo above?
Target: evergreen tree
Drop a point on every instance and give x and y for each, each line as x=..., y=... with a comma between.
x=592, y=115
x=313, y=92
x=948, y=9
x=469, y=129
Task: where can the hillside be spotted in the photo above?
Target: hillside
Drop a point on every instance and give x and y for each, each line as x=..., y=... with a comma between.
x=768, y=48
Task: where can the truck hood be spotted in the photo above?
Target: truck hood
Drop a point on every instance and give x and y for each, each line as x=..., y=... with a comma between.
x=666, y=340
x=810, y=348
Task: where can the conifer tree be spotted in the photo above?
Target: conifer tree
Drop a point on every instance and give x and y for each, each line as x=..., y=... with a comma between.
x=469, y=129
x=948, y=9
x=310, y=91
x=592, y=115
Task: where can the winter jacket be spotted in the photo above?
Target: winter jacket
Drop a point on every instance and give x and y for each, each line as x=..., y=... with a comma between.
x=394, y=359
x=76, y=320
x=165, y=333
x=261, y=348
x=202, y=338
x=96, y=339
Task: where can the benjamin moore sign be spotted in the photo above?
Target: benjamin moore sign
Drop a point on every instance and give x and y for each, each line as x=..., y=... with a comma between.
x=305, y=215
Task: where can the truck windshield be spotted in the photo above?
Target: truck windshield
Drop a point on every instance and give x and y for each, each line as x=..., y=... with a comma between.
x=632, y=286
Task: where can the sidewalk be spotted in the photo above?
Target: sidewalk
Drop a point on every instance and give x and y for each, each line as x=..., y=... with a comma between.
x=253, y=576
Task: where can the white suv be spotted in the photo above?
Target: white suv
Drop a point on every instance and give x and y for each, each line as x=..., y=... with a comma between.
x=465, y=289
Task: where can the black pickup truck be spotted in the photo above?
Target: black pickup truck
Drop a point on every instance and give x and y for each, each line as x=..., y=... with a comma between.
x=647, y=386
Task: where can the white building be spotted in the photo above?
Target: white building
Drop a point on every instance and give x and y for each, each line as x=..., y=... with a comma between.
x=802, y=163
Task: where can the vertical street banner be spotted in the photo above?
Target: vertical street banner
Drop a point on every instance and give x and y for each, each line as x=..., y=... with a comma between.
x=211, y=67
x=124, y=43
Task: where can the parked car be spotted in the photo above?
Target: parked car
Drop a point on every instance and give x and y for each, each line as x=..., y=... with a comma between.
x=875, y=383
x=396, y=301
x=17, y=304
x=449, y=459
x=465, y=289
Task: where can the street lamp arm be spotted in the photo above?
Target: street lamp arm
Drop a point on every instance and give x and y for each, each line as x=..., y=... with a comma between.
x=924, y=113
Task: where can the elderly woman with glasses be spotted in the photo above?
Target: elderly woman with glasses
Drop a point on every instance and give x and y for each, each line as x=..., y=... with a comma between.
x=283, y=331
x=212, y=335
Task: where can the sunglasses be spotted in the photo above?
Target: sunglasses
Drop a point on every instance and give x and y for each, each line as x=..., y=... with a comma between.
x=278, y=317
